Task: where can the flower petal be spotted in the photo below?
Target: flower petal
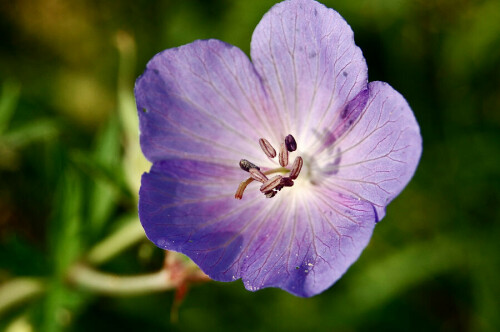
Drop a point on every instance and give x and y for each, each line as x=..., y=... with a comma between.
x=306, y=55
x=380, y=150
x=201, y=101
x=310, y=245
x=189, y=206
x=298, y=242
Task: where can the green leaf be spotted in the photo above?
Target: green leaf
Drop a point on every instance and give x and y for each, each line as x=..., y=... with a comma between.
x=65, y=230
x=8, y=102
x=35, y=131
x=104, y=195
x=65, y=238
x=97, y=169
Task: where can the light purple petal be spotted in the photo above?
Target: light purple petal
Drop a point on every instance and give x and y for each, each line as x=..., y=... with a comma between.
x=306, y=54
x=310, y=244
x=189, y=206
x=379, y=152
x=298, y=242
x=201, y=101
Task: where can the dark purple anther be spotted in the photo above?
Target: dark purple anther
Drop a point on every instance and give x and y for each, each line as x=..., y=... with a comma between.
x=286, y=182
x=246, y=165
x=290, y=143
x=270, y=194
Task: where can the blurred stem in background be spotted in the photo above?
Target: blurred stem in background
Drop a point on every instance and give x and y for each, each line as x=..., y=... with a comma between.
x=70, y=163
x=129, y=234
x=18, y=290
x=134, y=162
x=67, y=226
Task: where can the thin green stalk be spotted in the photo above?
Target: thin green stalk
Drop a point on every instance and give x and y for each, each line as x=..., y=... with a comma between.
x=105, y=283
x=125, y=237
x=19, y=290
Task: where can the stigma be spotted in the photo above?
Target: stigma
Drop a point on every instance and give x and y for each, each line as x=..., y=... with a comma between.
x=271, y=186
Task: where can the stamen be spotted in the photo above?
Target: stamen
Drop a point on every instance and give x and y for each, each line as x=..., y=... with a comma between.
x=257, y=175
x=291, y=144
x=240, y=190
x=270, y=184
x=246, y=165
x=267, y=148
x=296, y=167
x=286, y=182
x=243, y=185
x=283, y=157
x=270, y=194
x=270, y=187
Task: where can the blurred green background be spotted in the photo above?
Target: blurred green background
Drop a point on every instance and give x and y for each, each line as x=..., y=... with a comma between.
x=70, y=166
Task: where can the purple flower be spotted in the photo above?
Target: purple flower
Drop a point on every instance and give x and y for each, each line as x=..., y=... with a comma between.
x=330, y=149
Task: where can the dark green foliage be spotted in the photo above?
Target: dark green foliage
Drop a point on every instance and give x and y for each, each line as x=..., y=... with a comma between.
x=66, y=145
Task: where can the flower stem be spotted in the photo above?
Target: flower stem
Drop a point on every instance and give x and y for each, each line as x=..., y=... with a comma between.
x=128, y=235
x=16, y=291
x=105, y=283
x=20, y=324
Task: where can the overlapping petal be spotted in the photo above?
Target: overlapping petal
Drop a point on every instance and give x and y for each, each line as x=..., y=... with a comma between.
x=201, y=101
x=189, y=206
x=379, y=151
x=311, y=67
x=310, y=247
